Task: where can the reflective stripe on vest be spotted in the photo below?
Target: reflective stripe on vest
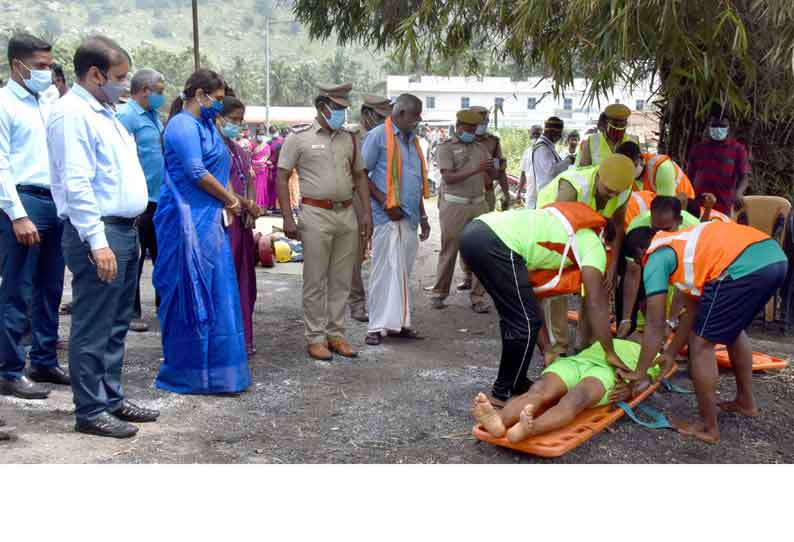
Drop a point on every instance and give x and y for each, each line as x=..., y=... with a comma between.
x=582, y=182
x=651, y=168
x=570, y=246
x=640, y=203
x=594, y=142
x=690, y=237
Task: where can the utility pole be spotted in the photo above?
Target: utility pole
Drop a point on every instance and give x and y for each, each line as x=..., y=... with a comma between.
x=267, y=73
x=196, y=56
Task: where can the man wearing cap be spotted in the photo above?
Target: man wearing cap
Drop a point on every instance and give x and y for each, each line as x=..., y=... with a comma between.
x=374, y=111
x=544, y=161
x=606, y=189
x=612, y=132
x=492, y=143
x=464, y=164
x=331, y=174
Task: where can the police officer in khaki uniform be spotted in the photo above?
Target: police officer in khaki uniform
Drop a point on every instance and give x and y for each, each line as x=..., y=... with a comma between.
x=498, y=174
x=374, y=111
x=464, y=164
x=331, y=174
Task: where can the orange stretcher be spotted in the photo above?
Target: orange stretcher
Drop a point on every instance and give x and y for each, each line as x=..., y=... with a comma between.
x=761, y=361
x=561, y=441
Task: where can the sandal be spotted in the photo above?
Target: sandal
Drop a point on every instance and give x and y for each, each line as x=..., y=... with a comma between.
x=406, y=333
x=481, y=307
x=372, y=339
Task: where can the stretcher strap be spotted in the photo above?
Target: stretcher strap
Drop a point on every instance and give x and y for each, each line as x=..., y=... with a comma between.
x=673, y=388
x=658, y=420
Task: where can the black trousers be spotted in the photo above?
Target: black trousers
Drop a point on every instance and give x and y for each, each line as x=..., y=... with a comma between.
x=621, y=284
x=148, y=242
x=505, y=277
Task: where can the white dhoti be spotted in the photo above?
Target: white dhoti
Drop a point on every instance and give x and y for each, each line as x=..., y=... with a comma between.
x=394, y=247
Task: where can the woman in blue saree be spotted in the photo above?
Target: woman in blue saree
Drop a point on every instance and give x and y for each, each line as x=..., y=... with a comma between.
x=203, y=342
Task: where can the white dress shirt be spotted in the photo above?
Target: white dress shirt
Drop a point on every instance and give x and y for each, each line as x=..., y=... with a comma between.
x=23, y=146
x=94, y=164
x=546, y=163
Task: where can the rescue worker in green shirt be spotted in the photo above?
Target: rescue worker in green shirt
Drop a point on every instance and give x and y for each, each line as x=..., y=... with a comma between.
x=665, y=214
x=605, y=189
x=523, y=254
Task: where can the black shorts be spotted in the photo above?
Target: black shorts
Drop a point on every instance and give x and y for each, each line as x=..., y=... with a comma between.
x=727, y=307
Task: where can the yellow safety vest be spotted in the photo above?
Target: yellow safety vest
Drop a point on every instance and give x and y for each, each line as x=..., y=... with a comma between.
x=599, y=148
x=583, y=179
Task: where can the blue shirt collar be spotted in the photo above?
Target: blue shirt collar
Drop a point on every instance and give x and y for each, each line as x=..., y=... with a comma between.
x=397, y=131
x=87, y=96
x=20, y=91
x=136, y=107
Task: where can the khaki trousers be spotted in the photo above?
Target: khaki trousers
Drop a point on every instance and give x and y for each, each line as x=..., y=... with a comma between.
x=358, y=294
x=555, y=311
x=453, y=217
x=330, y=246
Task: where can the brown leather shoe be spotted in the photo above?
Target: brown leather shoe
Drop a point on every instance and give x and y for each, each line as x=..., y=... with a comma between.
x=319, y=351
x=340, y=346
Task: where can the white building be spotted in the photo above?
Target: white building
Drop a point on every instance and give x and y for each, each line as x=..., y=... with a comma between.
x=524, y=102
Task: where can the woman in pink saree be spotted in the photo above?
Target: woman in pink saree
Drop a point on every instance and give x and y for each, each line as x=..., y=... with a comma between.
x=260, y=160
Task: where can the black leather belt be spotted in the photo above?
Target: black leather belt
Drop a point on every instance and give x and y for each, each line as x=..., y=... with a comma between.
x=37, y=190
x=120, y=220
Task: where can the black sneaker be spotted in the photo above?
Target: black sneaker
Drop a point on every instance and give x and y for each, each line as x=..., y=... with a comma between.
x=52, y=375
x=23, y=388
x=130, y=412
x=106, y=425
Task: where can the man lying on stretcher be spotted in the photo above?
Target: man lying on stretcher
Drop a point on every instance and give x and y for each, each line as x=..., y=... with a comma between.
x=567, y=387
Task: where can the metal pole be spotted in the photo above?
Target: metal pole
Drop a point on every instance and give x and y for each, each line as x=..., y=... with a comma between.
x=196, y=56
x=267, y=73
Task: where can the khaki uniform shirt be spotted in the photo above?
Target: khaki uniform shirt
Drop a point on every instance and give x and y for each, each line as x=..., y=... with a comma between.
x=323, y=160
x=454, y=154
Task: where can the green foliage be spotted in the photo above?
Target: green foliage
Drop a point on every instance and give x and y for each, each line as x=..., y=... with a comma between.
x=161, y=29
x=514, y=141
x=738, y=54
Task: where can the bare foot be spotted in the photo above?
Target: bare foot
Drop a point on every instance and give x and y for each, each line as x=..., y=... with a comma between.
x=486, y=415
x=696, y=430
x=523, y=428
x=739, y=407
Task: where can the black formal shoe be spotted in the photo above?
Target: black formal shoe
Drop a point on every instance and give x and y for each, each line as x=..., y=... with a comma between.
x=53, y=375
x=23, y=388
x=106, y=425
x=133, y=413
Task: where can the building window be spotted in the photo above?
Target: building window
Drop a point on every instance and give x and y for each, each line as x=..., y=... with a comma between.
x=531, y=103
x=568, y=104
x=430, y=102
x=640, y=105
x=464, y=102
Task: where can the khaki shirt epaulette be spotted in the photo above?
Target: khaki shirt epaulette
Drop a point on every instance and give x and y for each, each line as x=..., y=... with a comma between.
x=454, y=154
x=324, y=160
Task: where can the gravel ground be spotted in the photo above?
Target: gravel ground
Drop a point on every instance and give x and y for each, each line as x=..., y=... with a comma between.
x=401, y=402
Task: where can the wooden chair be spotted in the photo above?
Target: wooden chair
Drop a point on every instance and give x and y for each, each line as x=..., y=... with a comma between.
x=768, y=214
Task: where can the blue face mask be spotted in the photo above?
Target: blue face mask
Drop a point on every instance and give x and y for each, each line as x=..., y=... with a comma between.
x=718, y=133
x=466, y=137
x=155, y=101
x=40, y=80
x=209, y=113
x=231, y=130
x=337, y=119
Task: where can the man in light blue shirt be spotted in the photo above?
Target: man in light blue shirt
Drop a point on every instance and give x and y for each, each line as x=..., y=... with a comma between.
x=30, y=230
x=139, y=115
x=100, y=190
x=394, y=237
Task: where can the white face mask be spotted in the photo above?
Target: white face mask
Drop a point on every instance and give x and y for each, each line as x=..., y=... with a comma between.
x=718, y=133
x=260, y=138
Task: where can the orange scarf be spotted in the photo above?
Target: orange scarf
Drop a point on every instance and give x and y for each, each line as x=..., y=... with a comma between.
x=394, y=167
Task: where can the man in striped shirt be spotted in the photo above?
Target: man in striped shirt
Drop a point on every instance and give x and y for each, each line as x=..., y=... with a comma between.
x=719, y=165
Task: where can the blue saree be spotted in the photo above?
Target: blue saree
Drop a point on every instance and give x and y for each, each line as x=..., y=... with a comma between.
x=194, y=275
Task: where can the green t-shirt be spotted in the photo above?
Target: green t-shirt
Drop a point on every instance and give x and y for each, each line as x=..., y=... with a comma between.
x=522, y=229
x=665, y=179
x=628, y=351
x=643, y=220
x=662, y=263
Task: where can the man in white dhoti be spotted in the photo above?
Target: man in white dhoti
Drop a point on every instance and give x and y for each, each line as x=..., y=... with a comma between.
x=398, y=182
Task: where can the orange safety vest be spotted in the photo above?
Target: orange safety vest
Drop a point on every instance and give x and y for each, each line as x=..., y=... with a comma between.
x=704, y=252
x=639, y=202
x=573, y=216
x=652, y=163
